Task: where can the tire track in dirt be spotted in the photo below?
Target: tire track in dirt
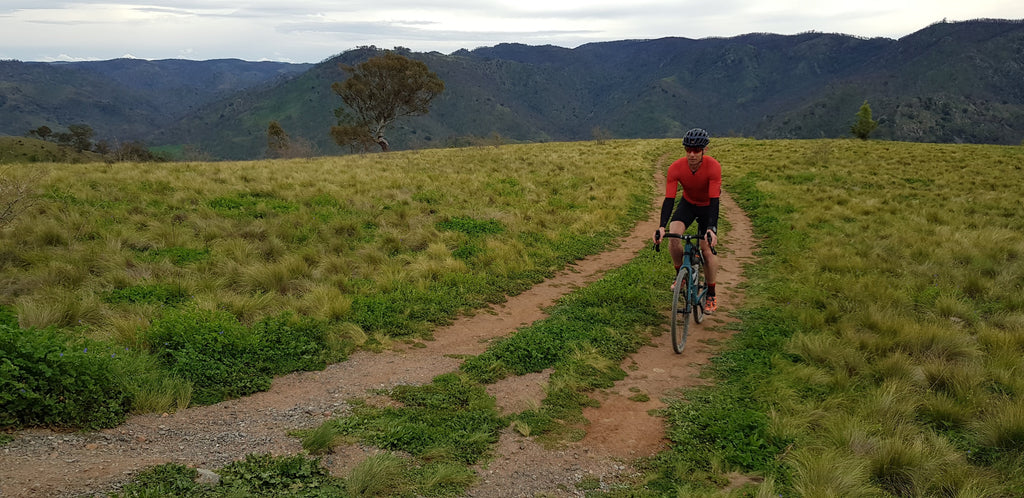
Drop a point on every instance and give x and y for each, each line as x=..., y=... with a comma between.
x=48, y=463
x=621, y=429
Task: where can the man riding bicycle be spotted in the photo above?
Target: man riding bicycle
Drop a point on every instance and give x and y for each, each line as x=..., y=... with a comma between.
x=701, y=178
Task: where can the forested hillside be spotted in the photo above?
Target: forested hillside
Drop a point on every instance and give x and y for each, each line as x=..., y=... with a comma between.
x=949, y=82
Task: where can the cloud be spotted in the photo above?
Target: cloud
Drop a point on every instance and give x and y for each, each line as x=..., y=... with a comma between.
x=414, y=30
x=311, y=30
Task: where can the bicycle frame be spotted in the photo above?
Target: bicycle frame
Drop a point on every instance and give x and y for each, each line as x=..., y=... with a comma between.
x=692, y=258
x=688, y=278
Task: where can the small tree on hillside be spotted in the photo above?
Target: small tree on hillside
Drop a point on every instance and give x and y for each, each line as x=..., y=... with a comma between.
x=282, y=146
x=378, y=92
x=277, y=140
x=43, y=132
x=78, y=136
x=864, y=125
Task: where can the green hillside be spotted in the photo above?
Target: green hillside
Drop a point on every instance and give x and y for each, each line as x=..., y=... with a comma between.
x=950, y=82
x=947, y=83
x=123, y=100
x=31, y=150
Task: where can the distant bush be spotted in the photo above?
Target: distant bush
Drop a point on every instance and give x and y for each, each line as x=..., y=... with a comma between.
x=47, y=380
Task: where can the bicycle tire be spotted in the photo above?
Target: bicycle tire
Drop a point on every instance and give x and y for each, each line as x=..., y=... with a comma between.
x=702, y=296
x=681, y=314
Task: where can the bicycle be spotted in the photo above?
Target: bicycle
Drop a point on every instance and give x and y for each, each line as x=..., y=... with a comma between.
x=690, y=285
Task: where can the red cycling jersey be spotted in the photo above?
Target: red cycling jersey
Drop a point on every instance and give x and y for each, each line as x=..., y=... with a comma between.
x=698, y=187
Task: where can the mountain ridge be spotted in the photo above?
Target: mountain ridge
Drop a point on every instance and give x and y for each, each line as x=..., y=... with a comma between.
x=948, y=82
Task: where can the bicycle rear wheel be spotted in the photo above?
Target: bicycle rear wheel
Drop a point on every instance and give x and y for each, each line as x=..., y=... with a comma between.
x=681, y=310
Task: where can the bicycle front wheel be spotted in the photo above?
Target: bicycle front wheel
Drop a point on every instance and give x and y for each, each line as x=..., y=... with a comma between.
x=681, y=310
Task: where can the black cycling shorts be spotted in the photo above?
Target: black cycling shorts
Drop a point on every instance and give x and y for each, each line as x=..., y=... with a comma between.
x=686, y=213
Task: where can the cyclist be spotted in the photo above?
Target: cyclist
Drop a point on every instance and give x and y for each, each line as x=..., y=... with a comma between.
x=701, y=178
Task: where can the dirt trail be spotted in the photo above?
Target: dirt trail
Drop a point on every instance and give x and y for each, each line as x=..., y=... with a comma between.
x=47, y=463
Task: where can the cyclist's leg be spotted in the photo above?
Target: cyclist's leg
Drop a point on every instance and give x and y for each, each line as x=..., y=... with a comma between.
x=710, y=262
x=684, y=214
x=675, y=246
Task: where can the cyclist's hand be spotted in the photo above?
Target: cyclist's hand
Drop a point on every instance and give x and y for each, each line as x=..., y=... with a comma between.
x=659, y=234
x=712, y=238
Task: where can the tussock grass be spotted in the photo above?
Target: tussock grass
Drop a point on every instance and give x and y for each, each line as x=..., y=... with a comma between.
x=377, y=475
x=831, y=473
x=1003, y=426
x=905, y=280
x=284, y=228
x=373, y=247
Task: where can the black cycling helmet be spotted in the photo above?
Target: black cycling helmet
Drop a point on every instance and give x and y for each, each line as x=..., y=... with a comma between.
x=696, y=137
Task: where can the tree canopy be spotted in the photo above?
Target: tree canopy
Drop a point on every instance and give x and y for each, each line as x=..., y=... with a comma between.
x=379, y=91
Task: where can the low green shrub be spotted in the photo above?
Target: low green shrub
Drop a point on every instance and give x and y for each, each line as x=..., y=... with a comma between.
x=251, y=205
x=256, y=475
x=267, y=475
x=210, y=349
x=288, y=343
x=8, y=317
x=224, y=359
x=171, y=479
x=48, y=380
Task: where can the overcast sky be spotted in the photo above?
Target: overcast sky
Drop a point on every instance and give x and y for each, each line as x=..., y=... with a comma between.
x=314, y=30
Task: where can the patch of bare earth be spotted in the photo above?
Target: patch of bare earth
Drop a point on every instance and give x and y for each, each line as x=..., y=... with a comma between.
x=47, y=463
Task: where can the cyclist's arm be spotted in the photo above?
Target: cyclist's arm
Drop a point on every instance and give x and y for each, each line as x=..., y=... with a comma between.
x=714, y=192
x=713, y=215
x=666, y=211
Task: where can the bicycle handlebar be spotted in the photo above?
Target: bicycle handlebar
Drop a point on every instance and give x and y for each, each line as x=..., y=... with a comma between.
x=684, y=238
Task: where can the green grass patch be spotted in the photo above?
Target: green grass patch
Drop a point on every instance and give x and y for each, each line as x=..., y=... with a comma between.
x=251, y=205
x=170, y=295
x=451, y=419
x=471, y=226
x=179, y=256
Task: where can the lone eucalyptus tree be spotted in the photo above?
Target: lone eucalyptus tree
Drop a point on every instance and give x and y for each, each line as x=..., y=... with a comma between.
x=377, y=92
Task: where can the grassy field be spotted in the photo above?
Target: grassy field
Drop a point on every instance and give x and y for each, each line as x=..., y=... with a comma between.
x=432, y=232
x=890, y=300
x=151, y=261
x=880, y=351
